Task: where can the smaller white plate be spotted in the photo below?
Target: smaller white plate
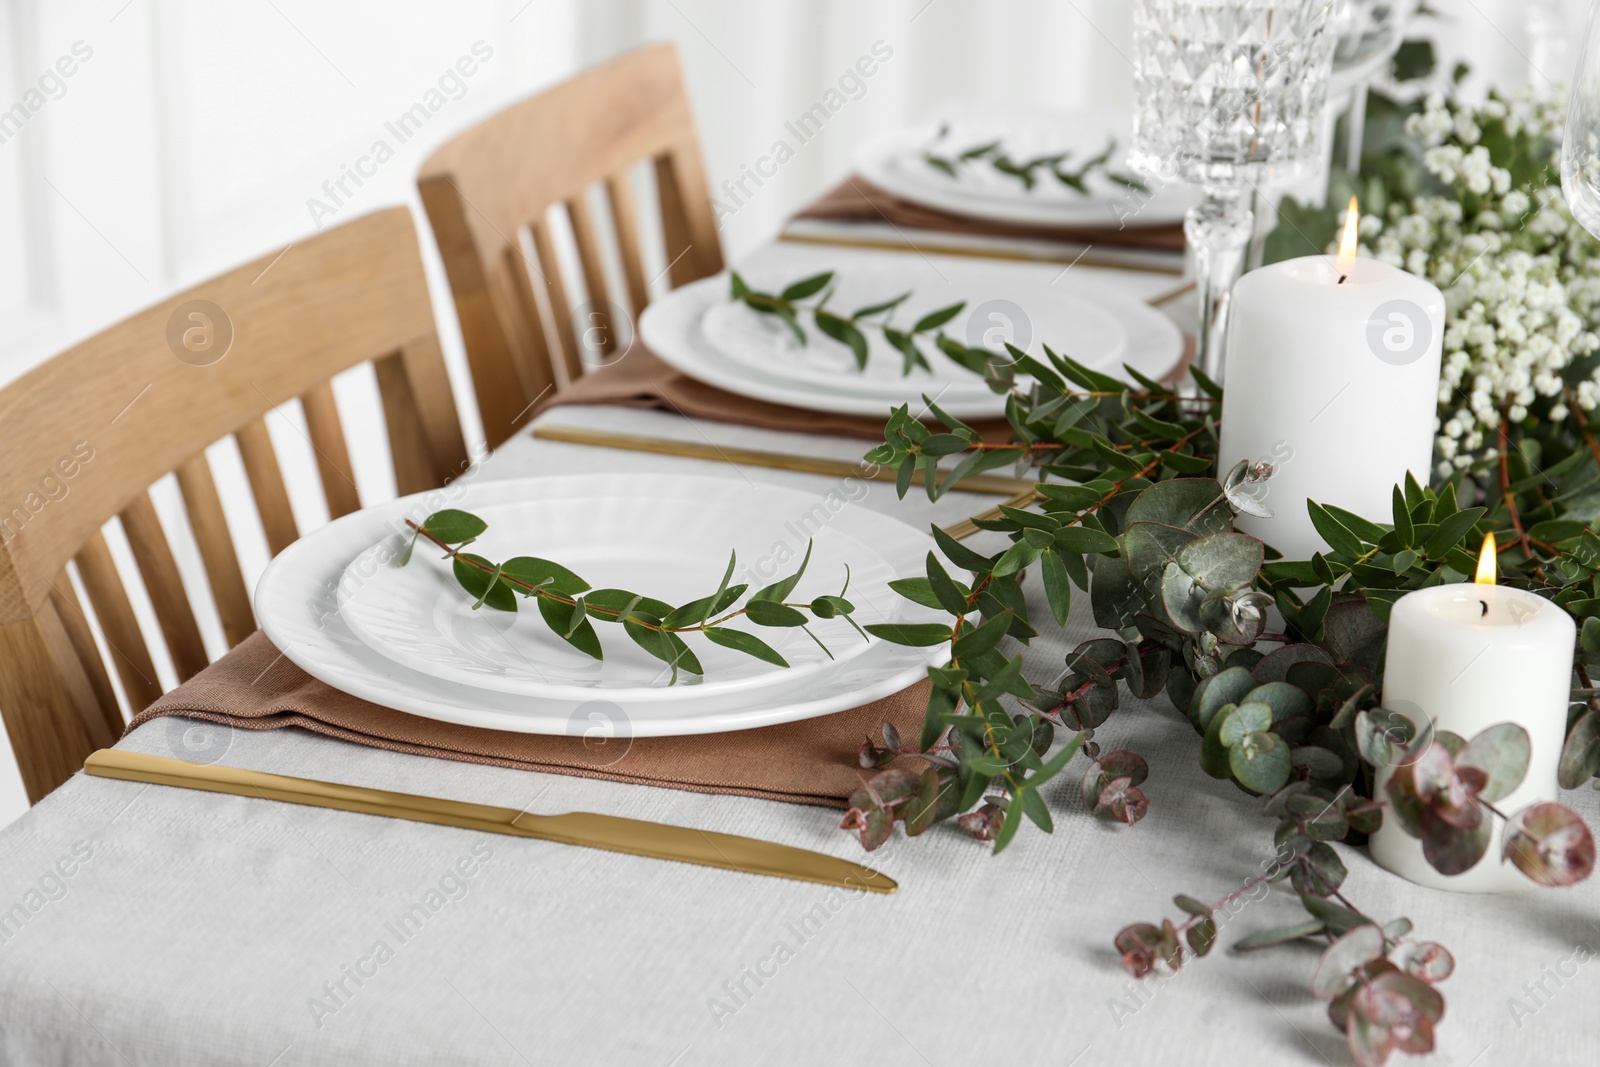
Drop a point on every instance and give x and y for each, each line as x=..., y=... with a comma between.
x=667, y=547
x=895, y=162
x=700, y=330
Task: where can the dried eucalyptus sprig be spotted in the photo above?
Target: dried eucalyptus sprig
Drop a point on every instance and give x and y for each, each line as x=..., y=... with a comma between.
x=1027, y=170
x=846, y=329
x=567, y=603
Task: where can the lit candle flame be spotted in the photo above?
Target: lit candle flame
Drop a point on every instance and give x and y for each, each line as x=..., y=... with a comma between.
x=1487, y=561
x=1350, y=244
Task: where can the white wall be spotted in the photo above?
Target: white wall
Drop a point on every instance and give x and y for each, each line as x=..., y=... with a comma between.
x=190, y=135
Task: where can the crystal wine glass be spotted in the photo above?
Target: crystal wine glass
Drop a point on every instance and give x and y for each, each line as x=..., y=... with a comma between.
x=1369, y=34
x=1229, y=94
x=1580, y=145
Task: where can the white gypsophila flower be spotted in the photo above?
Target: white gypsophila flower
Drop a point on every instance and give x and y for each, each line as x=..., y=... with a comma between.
x=1521, y=278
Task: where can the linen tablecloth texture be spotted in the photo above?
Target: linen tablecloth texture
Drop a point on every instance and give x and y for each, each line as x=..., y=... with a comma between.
x=255, y=687
x=858, y=200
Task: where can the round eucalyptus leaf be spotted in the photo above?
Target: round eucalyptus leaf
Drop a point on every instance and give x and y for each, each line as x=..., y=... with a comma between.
x=1453, y=850
x=1149, y=547
x=1283, y=698
x=1550, y=845
x=1222, y=561
x=1336, y=969
x=1224, y=687
x=1195, y=503
x=1502, y=753
x=1260, y=761
x=1580, y=757
x=1182, y=597
x=1250, y=717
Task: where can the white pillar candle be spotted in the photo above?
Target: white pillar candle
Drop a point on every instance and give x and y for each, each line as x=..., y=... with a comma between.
x=1467, y=657
x=1333, y=378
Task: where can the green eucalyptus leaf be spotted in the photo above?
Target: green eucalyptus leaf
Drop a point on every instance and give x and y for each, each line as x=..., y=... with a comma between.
x=1282, y=935
x=935, y=319
x=501, y=596
x=453, y=527
x=1502, y=753
x=666, y=647
x=1580, y=757
x=772, y=613
x=915, y=634
x=1260, y=761
x=844, y=332
x=747, y=643
x=542, y=572
x=561, y=618
x=780, y=590
x=1211, y=694
x=807, y=287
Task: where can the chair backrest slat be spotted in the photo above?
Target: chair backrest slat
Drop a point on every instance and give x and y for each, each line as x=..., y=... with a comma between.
x=505, y=175
x=112, y=609
x=333, y=455
x=164, y=585
x=570, y=367
x=88, y=433
x=266, y=484
x=215, y=541
x=625, y=223
x=101, y=715
x=597, y=321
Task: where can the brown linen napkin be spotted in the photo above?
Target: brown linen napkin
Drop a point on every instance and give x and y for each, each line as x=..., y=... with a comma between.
x=858, y=200
x=642, y=380
x=808, y=762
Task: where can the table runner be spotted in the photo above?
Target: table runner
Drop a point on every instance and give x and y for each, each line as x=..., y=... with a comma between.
x=813, y=761
x=858, y=200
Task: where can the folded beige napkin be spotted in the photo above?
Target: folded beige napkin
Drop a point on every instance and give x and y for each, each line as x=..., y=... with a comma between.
x=808, y=762
x=858, y=200
x=641, y=379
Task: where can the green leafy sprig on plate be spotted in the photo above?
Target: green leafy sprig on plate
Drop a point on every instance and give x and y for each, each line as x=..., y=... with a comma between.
x=1028, y=171
x=570, y=607
x=788, y=306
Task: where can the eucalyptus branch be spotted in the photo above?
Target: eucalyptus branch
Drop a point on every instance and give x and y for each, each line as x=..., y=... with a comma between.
x=1027, y=171
x=567, y=603
x=788, y=305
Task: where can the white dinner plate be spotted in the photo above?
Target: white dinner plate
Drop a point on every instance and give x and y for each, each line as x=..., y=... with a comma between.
x=297, y=602
x=897, y=163
x=671, y=547
x=703, y=332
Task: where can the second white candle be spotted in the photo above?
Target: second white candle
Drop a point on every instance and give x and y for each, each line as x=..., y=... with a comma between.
x=1335, y=383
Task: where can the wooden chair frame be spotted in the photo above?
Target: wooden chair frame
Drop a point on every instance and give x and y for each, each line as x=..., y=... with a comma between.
x=487, y=186
x=86, y=434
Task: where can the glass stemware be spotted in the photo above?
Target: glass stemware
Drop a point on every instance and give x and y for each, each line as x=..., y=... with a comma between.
x=1229, y=94
x=1580, y=145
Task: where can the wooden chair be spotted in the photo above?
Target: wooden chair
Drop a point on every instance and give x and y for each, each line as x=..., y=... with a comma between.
x=85, y=435
x=505, y=175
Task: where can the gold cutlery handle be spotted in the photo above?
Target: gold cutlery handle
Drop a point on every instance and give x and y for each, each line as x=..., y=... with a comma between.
x=613, y=833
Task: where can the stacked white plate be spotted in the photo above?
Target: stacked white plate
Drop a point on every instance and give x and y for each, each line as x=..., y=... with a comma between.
x=704, y=332
x=338, y=604
x=897, y=163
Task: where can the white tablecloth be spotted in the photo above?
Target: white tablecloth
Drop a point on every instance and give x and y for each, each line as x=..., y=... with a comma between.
x=149, y=925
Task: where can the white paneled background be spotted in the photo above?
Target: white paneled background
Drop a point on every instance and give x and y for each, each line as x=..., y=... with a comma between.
x=191, y=134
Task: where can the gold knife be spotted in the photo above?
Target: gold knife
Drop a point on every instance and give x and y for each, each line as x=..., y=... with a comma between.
x=611, y=832
x=995, y=485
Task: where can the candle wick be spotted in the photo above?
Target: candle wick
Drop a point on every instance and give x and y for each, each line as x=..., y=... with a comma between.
x=1342, y=277
x=1484, y=604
